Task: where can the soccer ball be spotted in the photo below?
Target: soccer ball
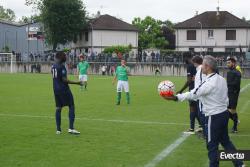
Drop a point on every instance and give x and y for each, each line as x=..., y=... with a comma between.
x=166, y=88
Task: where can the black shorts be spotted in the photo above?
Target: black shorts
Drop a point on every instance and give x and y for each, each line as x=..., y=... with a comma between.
x=193, y=103
x=64, y=99
x=233, y=100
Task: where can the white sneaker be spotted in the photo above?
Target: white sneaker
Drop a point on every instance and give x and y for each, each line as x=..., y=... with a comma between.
x=58, y=132
x=73, y=131
x=198, y=130
x=189, y=131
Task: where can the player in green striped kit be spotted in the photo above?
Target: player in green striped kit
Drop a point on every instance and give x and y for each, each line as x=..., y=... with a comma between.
x=82, y=69
x=121, y=75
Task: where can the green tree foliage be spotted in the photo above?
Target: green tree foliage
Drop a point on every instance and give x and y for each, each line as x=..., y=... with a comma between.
x=7, y=14
x=63, y=19
x=169, y=34
x=150, y=33
x=6, y=49
x=117, y=49
x=33, y=18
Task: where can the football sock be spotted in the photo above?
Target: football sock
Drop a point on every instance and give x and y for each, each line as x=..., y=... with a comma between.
x=71, y=117
x=231, y=116
x=85, y=85
x=119, y=96
x=128, y=98
x=235, y=119
x=58, y=119
x=192, y=119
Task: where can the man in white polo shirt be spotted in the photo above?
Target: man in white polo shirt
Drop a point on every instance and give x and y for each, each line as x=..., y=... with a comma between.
x=213, y=95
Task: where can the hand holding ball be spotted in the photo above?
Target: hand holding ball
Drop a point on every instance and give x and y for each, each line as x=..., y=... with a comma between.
x=166, y=89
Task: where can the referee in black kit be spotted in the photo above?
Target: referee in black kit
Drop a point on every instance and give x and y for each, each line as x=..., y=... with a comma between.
x=213, y=94
x=233, y=84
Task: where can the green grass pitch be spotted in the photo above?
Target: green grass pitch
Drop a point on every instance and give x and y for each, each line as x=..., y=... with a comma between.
x=111, y=136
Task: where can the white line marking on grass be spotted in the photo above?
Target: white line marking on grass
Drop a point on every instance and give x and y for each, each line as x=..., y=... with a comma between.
x=245, y=113
x=158, y=158
x=103, y=120
x=237, y=135
x=244, y=88
x=245, y=106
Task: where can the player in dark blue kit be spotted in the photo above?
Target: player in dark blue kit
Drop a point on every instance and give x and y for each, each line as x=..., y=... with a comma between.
x=191, y=72
x=62, y=92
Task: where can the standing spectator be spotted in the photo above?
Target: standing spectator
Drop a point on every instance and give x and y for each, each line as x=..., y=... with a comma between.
x=144, y=56
x=104, y=68
x=112, y=70
x=158, y=56
x=153, y=56
x=108, y=69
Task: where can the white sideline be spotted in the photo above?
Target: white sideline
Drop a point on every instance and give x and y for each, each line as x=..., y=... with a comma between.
x=245, y=107
x=167, y=151
x=95, y=119
x=244, y=88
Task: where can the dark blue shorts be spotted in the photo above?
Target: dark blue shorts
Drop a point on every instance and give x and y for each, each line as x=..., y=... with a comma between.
x=192, y=103
x=64, y=99
x=233, y=100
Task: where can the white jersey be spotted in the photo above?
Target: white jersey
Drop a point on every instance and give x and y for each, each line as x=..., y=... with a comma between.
x=212, y=93
x=199, y=77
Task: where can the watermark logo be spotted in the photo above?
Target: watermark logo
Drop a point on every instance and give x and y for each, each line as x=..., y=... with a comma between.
x=243, y=155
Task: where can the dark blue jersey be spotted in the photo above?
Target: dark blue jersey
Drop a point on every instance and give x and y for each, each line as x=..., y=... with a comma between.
x=191, y=72
x=58, y=73
x=233, y=81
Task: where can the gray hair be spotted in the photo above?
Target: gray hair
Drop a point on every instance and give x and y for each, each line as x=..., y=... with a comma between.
x=211, y=61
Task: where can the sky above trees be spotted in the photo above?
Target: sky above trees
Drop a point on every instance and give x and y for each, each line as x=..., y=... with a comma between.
x=176, y=11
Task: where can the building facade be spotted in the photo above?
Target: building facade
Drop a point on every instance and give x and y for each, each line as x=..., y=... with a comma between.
x=105, y=31
x=213, y=31
x=18, y=37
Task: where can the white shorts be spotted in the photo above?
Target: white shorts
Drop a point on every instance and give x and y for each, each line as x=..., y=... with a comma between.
x=122, y=85
x=83, y=78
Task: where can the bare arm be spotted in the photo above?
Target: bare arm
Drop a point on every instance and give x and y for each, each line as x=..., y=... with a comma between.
x=72, y=82
x=187, y=83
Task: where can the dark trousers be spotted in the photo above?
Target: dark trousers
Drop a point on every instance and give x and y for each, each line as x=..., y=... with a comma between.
x=71, y=117
x=193, y=114
x=217, y=133
x=201, y=116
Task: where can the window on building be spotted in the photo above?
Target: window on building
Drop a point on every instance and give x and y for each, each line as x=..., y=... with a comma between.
x=210, y=33
x=86, y=50
x=230, y=50
x=86, y=34
x=191, y=49
x=230, y=34
x=191, y=34
x=210, y=49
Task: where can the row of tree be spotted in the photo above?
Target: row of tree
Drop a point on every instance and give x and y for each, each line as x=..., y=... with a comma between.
x=155, y=33
x=64, y=20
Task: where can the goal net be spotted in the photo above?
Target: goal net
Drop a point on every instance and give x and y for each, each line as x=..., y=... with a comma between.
x=7, y=61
